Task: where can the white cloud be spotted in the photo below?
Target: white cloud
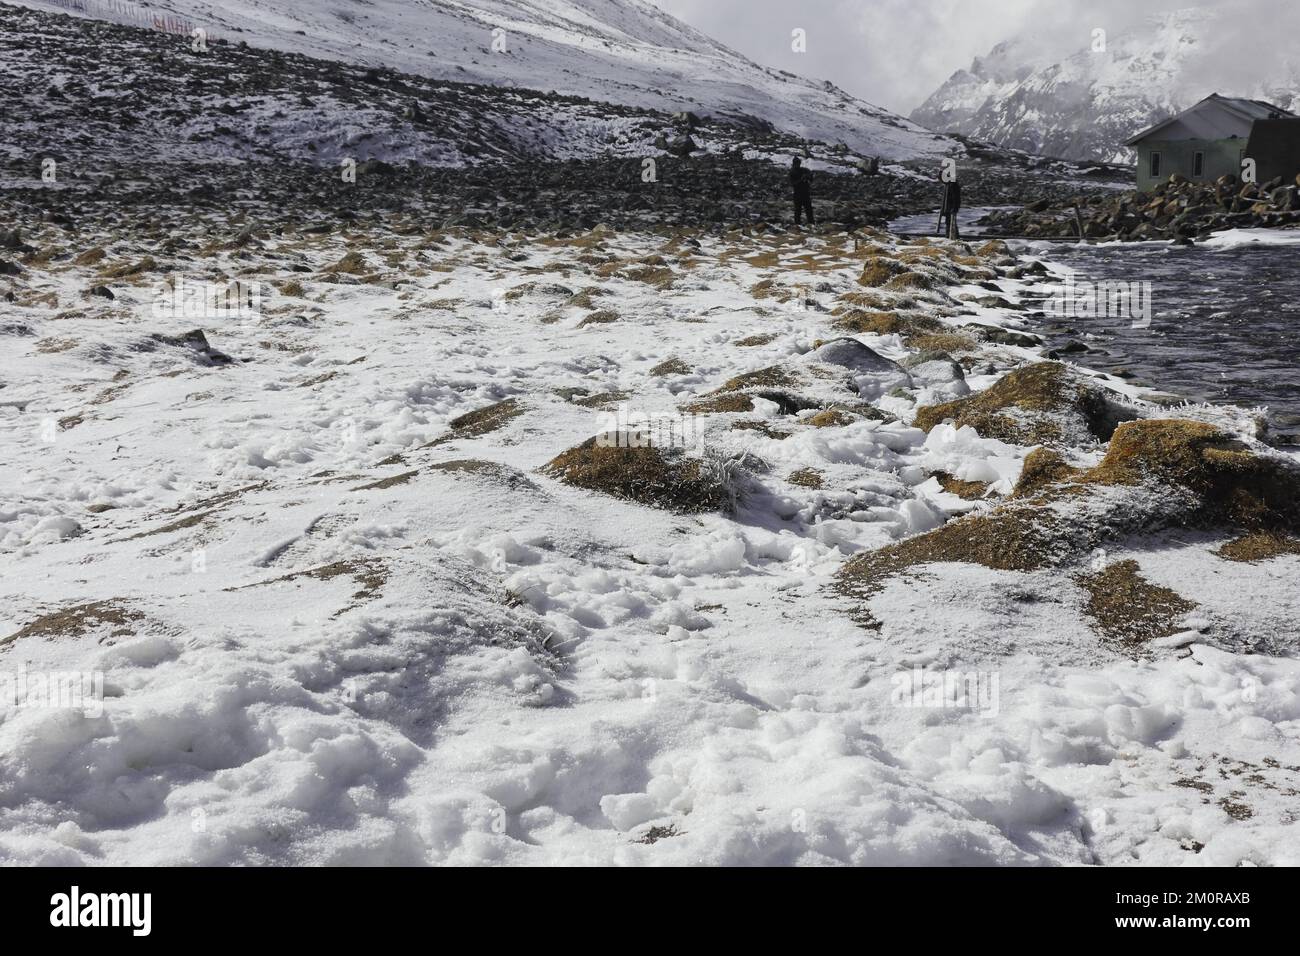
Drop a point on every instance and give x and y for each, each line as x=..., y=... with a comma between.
x=896, y=52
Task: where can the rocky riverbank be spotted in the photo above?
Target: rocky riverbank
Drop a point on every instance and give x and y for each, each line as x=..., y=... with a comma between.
x=1177, y=210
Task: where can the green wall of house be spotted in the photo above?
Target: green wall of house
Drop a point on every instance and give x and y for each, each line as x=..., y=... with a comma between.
x=1179, y=156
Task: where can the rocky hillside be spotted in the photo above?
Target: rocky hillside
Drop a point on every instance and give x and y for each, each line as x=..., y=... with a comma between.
x=626, y=52
x=1086, y=104
x=129, y=115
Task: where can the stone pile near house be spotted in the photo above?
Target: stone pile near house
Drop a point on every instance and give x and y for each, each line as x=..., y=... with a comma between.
x=1179, y=209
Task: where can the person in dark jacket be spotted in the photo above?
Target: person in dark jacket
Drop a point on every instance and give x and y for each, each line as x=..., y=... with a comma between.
x=801, y=183
x=951, y=206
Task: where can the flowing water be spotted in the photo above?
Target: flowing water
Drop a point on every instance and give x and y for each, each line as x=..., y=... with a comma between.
x=1224, y=323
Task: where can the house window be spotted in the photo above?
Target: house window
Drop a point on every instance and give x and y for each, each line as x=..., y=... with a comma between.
x=1198, y=164
x=1155, y=164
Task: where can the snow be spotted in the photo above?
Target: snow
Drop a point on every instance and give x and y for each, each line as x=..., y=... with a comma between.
x=1239, y=238
x=543, y=675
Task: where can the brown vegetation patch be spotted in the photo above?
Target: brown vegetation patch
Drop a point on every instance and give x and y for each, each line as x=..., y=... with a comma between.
x=1259, y=546
x=754, y=340
x=807, y=478
x=888, y=323
x=912, y=280
x=1030, y=406
x=1042, y=467
x=494, y=471
x=601, y=399
x=720, y=404
x=1235, y=485
x=599, y=317
x=951, y=342
x=770, y=377
x=370, y=574
x=837, y=416
x=878, y=271
x=389, y=482
x=76, y=621
x=612, y=465
x=583, y=298
x=127, y=269
x=672, y=366
x=969, y=490
x=763, y=428
x=1200, y=476
x=189, y=521
x=352, y=263
x=483, y=421
x=866, y=300
x=1128, y=610
x=90, y=257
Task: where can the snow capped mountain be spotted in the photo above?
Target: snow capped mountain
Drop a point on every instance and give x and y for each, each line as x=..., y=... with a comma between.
x=626, y=52
x=1086, y=104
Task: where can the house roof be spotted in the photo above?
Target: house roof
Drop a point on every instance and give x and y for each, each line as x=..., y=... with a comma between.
x=1215, y=117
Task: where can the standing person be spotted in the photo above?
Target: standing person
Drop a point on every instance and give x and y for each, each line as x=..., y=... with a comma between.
x=801, y=183
x=951, y=206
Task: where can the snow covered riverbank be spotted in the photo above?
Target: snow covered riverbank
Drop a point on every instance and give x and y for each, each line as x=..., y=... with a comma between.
x=342, y=618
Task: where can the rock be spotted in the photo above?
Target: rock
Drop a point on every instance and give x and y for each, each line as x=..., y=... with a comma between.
x=198, y=341
x=998, y=336
x=871, y=373
x=1072, y=347
x=853, y=355
x=683, y=146
x=12, y=239
x=998, y=302
x=102, y=292
x=8, y=268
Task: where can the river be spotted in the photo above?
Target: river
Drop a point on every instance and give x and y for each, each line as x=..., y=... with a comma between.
x=1224, y=317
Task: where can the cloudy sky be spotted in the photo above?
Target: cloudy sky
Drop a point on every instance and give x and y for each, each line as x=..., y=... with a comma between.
x=894, y=53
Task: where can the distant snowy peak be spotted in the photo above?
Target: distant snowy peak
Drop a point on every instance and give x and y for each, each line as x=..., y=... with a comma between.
x=627, y=52
x=1085, y=104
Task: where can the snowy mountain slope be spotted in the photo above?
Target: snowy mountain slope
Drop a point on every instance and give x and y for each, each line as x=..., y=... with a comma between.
x=1087, y=104
x=620, y=51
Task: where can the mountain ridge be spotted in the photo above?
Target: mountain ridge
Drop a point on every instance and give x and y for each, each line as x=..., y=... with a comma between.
x=628, y=52
x=1086, y=105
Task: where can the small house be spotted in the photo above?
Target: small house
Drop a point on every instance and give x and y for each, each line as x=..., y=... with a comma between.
x=1212, y=138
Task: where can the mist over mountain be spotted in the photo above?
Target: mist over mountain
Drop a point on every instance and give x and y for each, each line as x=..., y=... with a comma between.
x=1085, y=104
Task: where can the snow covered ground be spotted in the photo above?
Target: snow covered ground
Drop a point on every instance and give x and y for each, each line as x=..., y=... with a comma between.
x=337, y=623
